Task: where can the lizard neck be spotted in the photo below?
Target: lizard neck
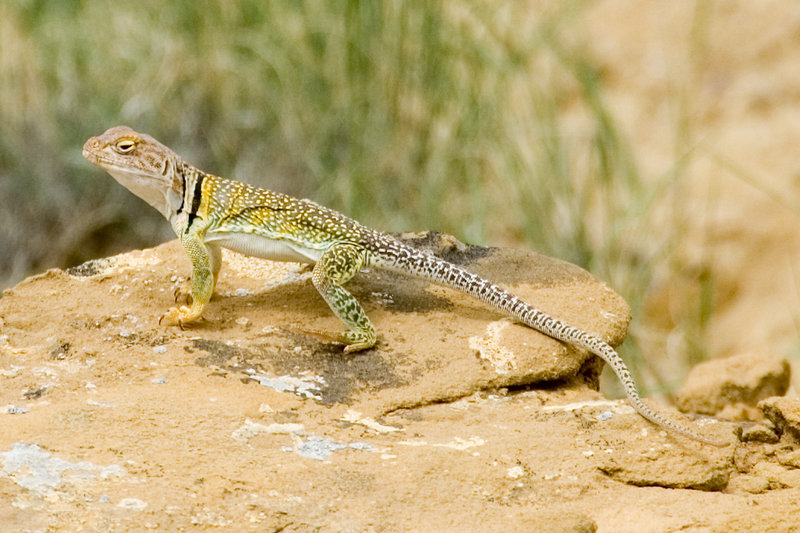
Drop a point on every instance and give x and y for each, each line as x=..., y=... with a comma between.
x=148, y=189
x=165, y=192
x=187, y=205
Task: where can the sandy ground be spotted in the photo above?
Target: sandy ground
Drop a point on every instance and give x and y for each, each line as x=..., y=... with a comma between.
x=254, y=420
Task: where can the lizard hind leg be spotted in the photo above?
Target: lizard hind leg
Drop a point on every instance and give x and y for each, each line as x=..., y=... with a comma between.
x=334, y=268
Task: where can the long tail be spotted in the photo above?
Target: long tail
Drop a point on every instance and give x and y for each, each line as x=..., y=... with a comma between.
x=406, y=259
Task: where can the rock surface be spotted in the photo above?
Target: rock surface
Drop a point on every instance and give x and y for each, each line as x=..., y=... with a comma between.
x=784, y=413
x=254, y=420
x=733, y=386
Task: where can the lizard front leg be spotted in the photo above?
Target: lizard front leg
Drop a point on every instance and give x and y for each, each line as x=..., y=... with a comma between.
x=206, y=262
x=183, y=292
x=335, y=267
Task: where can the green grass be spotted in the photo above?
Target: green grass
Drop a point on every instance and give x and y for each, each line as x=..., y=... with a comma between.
x=486, y=122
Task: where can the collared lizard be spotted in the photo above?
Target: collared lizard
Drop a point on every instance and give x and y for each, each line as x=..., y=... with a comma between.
x=208, y=212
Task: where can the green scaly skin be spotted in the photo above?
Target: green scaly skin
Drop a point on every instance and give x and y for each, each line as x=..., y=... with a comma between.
x=208, y=212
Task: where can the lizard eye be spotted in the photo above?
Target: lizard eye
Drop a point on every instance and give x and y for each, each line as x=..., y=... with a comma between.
x=124, y=146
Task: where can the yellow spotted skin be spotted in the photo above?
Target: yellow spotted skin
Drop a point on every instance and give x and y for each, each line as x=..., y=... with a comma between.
x=208, y=212
x=229, y=206
x=234, y=206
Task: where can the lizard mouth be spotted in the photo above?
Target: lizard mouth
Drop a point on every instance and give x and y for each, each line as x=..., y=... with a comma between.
x=92, y=153
x=100, y=160
x=90, y=156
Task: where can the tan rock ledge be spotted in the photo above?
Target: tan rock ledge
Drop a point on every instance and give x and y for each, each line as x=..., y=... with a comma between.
x=254, y=418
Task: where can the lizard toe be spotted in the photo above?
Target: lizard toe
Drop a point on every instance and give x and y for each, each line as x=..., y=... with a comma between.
x=357, y=341
x=182, y=294
x=177, y=316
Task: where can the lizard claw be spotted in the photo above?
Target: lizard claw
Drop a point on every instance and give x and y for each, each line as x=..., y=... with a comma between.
x=182, y=294
x=178, y=316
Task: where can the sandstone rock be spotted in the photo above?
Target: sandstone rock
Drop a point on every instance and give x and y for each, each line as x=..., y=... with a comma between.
x=734, y=385
x=652, y=457
x=789, y=457
x=254, y=417
x=777, y=476
x=756, y=433
x=435, y=343
x=785, y=415
x=559, y=522
x=749, y=483
x=644, y=465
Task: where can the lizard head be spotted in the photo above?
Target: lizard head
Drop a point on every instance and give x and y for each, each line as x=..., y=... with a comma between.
x=141, y=164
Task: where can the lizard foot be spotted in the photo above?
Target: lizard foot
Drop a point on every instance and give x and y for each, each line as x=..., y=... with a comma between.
x=179, y=316
x=183, y=293
x=358, y=341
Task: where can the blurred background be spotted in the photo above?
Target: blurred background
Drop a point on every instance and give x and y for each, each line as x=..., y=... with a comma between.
x=653, y=144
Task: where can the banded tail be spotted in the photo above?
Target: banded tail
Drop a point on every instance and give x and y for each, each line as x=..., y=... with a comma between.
x=405, y=259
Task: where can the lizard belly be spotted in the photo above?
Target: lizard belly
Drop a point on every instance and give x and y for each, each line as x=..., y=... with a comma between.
x=266, y=248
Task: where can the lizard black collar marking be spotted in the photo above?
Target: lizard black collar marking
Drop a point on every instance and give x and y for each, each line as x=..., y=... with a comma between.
x=197, y=196
x=183, y=188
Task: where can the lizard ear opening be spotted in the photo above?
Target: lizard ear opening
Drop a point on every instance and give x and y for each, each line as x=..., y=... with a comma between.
x=124, y=146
